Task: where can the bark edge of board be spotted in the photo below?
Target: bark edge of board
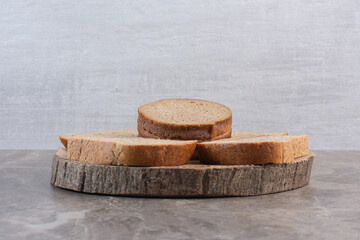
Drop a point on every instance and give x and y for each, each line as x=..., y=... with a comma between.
x=189, y=180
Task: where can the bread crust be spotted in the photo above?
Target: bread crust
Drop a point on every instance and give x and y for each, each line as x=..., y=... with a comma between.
x=104, y=152
x=262, y=152
x=245, y=153
x=64, y=139
x=164, y=130
x=145, y=134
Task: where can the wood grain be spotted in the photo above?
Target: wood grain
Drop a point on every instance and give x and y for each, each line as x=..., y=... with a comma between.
x=190, y=180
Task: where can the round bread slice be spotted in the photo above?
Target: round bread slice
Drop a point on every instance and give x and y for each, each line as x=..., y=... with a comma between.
x=185, y=119
x=125, y=147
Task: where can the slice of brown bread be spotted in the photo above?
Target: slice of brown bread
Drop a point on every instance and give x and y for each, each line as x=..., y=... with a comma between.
x=255, y=150
x=244, y=135
x=185, y=119
x=146, y=134
x=125, y=147
x=300, y=145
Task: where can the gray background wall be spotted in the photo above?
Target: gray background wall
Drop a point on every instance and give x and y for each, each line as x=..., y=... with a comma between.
x=76, y=66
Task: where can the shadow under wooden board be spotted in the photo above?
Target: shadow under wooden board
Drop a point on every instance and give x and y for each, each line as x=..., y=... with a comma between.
x=189, y=180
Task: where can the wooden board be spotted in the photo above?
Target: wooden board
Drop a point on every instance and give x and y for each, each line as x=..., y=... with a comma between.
x=190, y=180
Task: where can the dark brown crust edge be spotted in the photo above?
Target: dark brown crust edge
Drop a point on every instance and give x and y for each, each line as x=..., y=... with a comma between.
x=183, y=132
x=64, y=139
x=143, y=133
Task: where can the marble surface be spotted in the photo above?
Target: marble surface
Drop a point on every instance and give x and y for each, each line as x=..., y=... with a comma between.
x=30, y=208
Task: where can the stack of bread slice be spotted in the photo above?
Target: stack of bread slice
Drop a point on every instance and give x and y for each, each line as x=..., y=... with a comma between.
x=171, y=130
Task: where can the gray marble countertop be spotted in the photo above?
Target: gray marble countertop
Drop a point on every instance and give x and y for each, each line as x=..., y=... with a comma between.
x=30, y=208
